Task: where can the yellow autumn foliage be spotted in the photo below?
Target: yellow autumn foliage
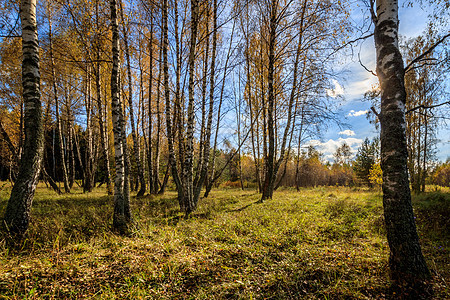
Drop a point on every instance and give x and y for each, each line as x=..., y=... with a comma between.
x=376, y=174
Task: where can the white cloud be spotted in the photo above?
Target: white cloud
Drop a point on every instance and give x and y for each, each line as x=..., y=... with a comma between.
x=347, y=132
x=337, y=91
x=356, y=88
x=329, y=147
x=358, y=113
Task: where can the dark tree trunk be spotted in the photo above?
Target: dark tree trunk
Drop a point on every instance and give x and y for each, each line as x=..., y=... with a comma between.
x=164, y=183
x=406, y=262
x=270, y=158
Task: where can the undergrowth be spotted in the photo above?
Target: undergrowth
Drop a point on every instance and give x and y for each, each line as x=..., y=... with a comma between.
x=321, y=243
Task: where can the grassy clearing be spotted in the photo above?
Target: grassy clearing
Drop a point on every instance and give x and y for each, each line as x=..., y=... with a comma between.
x=322, y=243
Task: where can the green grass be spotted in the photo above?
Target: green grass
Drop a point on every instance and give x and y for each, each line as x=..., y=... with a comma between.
x=322, y=243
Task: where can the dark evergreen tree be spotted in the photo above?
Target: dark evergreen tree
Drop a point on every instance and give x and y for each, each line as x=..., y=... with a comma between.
x=365, y=158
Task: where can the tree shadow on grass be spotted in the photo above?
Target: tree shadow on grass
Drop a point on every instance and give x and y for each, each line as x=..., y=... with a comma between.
x=77, y=218
x=244, y=207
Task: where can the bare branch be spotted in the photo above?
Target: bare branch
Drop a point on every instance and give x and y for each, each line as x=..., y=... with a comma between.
x=422, y=65
x=420, y=57
x=362, y=65
x=372, y=12
x=375, y=112
x=350, y=43
x=426, y=107
x=10, y=35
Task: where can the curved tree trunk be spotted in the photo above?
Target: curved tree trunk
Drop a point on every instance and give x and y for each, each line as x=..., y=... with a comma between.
x=17, y=213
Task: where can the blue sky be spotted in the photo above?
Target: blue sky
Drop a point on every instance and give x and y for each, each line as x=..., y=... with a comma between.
x=357, y=81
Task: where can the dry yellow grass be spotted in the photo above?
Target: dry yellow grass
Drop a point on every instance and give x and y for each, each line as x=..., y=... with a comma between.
x=322, y=243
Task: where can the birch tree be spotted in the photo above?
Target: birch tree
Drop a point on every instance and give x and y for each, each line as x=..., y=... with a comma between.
x=140, y=171
x=288, y=60
x=57, y=105
x=122, y=214
x=17, y=214
x=406, y=262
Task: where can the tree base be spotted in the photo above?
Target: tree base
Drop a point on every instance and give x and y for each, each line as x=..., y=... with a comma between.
x=411, y=289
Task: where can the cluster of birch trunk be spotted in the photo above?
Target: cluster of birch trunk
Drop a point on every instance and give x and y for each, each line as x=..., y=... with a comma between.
x=147, y=86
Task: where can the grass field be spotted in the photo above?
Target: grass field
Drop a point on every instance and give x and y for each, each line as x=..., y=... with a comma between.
x=321, y=243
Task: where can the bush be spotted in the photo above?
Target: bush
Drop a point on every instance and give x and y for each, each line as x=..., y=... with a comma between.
x=232, y=184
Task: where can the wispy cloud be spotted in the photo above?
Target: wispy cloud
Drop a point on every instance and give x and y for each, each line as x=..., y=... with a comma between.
x=337, y=91
x=347, y=132
x=358, y=113
x=329, y=147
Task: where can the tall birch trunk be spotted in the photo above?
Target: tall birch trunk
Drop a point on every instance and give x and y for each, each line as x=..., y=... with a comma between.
x=102, y=121
x=17, y=214
x=140, y=171
x=203, y=89
x=89, y=169
x=150, y=85
x=207, y=137
x=142, y=108
x=69, y=134
x=169, y=128
x=270, y=158
x=249, y=99
x=425, y=153
x=158, y=130
x=71, y=152
x=406, y=262
x=55, y=95
x=210, y=180
x=178, y=115
x=188, y=192
x=103, y=131
x=126, y=156
x=121, y=218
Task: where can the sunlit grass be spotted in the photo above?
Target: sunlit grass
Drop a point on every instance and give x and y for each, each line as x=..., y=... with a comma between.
x=324, y=243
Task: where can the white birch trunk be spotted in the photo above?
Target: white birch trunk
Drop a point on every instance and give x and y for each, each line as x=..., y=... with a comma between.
x=406, y=261
x=120, y=218
x=17, y=212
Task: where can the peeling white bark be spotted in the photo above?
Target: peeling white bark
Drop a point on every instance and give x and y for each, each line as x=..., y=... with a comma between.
x=17, y=212
x=406, y=261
